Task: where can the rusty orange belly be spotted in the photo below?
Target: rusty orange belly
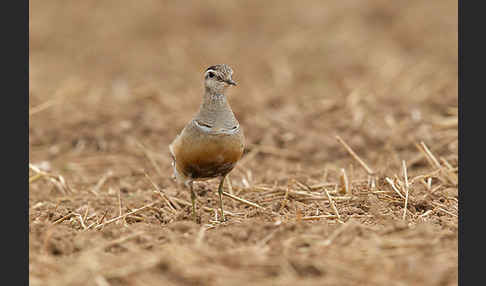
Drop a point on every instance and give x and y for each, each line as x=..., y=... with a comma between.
x=209, y=156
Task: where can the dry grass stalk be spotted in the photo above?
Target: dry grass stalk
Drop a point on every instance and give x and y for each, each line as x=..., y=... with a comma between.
x=208, y=209
x=447, y=173
x=446, y=211
x=35, y=177
x=344, y=183
x=286, y=196
x=69, y=215
x=432, y=191
x=242, y=200
x=265, y=189
x=57, y=205
x=447, y=122
x=149, y=156
x=85, y=217
x=355, y=156
x=421, y=155
x=325, y=175
x=164, y=197
x=322, y=185
x=303, y=186
x=91, y=225
x=425, y=214
x=102, y=217
x=430, y=157
x=450, y=174
x=306, y=195
x=318, y=217
x=447, y=164
x=124, y=216
x=392, y=184
x=331, y=216
x=81, y=220
x=57, y=180
x=333, y=205
x=101, y=182
x=405, y=176
x=120, y=212
x=277, y=197
x=43, y=106
x=324, y=198
x=298, y=214
x=427, y=184
x=371, y=183
x=423, y=176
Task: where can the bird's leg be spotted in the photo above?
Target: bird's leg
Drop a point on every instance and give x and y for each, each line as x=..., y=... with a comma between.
x=193, y=199
x=220, y=192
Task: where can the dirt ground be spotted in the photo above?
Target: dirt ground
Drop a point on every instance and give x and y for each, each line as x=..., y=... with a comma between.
x=113, y=82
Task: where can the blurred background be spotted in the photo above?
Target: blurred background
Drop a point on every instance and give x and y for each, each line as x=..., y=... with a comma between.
x=377, y=73
x=113, y=82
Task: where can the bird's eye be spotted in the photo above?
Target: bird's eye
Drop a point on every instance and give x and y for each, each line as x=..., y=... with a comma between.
x=211, y=74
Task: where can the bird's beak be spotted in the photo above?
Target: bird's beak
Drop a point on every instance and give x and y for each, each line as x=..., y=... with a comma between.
x=231, y=82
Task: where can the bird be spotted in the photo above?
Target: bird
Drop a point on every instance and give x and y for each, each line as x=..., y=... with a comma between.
x=212, y=143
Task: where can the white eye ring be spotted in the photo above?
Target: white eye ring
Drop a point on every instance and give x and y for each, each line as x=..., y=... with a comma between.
x=211, y=73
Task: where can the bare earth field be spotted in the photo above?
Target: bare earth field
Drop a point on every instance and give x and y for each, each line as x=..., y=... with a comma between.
x=113, y=82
